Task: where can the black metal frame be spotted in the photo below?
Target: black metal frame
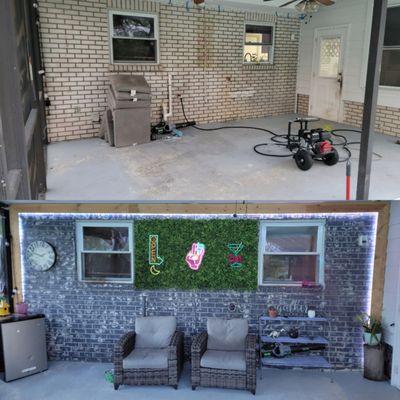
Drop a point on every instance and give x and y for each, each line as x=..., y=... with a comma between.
x=22, y=110
x=371, y=98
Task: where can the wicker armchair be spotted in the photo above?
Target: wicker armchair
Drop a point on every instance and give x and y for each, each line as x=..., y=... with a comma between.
x=239, y=377
x=144, y=366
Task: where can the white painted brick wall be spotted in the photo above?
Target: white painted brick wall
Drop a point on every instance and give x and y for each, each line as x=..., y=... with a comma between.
x=203, y=51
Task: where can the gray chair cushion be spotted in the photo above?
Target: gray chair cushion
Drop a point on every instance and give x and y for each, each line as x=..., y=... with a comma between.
x=227, y=334
x=235, y=360
x=154, y=332
x=146, y=358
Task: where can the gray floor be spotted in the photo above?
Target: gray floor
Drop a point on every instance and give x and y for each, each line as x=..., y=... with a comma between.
x=219, y=165
x=82, y=381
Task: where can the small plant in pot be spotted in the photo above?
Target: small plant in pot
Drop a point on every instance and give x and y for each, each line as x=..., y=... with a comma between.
x=372, y=329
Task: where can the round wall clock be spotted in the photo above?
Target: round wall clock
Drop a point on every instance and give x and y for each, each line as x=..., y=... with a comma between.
x=41, y=255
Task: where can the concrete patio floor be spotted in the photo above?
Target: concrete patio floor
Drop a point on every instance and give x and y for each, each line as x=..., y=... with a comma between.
x=219, y=165
x=83, y=381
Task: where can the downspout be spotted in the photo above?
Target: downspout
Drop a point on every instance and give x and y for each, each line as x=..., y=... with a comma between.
x=167, y=108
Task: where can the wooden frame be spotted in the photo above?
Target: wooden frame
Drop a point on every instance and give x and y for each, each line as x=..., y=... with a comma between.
x=380, y=207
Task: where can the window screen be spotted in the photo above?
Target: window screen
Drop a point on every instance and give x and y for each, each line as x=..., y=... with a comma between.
x=292, y=252
x=105, y=251
x=134, y=38
x=258, y=47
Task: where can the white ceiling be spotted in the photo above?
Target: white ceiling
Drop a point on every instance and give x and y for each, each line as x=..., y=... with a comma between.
x=272, y=3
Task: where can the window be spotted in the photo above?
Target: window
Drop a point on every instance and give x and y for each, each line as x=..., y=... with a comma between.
x=390, y=73
x=133, y=37
x=291, y=252
x=105, y=251
x=329, y=57
x=258, y=43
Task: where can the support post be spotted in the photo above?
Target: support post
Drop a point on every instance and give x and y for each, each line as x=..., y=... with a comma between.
x=371, y=98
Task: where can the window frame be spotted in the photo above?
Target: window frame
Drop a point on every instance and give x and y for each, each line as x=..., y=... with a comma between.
x=111, y=36
x=79, y=225
x=320, y=273
x=272, y=58
x=397, y=5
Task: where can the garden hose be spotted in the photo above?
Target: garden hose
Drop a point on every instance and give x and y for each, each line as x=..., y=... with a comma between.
x=282, y=139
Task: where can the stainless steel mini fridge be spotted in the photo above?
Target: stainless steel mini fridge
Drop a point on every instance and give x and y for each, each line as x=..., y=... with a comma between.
x=23, y=346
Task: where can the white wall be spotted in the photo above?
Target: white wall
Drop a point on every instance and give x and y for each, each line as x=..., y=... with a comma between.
x=391, y=297
x=392, y=276
x=357, y=14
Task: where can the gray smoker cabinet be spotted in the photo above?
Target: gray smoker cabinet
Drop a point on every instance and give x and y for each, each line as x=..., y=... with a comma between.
x=23, y=346
x=129, y=99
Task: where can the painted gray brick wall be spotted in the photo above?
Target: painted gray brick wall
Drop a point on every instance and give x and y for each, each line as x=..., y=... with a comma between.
x=85, y=320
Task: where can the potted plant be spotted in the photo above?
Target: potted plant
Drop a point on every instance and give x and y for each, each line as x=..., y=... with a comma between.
x=372, y=329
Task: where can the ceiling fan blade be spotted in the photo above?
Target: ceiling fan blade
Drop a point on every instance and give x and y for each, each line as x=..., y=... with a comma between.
x=326, y=2
x=302, y=5
x=288, y=3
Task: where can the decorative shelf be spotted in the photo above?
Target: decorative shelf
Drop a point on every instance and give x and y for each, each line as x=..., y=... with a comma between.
x=297, y=360
x=289, y=319
x=312, y=359
x=299, y=340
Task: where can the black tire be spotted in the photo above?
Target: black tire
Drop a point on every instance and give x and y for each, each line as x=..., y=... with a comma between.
x=304, y=159
x=331, y=158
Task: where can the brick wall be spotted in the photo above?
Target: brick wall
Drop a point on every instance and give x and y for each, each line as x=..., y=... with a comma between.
x=203, y=51
x=303, y=104
x=387, y=118
x=84, y=320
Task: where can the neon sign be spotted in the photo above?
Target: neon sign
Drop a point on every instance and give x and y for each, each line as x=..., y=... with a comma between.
x=154, y=259
x=195, y=256
x=235, y=259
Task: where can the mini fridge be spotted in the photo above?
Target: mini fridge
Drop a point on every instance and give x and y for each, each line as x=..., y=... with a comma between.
x=23, y=346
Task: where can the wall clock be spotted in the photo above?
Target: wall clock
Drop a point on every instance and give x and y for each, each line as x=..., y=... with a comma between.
x=41, y=255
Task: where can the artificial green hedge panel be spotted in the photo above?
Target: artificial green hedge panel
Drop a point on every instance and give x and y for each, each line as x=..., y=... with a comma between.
x=175, y=238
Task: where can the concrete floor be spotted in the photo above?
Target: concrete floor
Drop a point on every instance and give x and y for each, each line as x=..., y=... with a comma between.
x=219, y=165
x=83, y=381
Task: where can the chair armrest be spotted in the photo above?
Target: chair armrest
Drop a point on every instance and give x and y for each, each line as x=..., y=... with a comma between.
x=175, y=357
x=121, y=349
x=175, y=346
x=199, y=346
x=125, y=344
x=199, y=343
x=251, y=361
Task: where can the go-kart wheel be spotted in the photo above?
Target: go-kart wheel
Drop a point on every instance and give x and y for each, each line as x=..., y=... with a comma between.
x=303, y=160
x=331, y=158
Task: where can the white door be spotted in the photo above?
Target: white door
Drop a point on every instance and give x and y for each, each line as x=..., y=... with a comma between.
x=327, y=75
x=396, y=345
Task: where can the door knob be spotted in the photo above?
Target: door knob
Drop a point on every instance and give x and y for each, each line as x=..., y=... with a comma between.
x=340, y=79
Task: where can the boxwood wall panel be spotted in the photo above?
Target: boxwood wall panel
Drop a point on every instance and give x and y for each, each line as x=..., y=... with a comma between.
x=175, y=239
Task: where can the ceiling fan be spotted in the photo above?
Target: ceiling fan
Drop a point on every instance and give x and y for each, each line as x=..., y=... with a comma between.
x=308, y=5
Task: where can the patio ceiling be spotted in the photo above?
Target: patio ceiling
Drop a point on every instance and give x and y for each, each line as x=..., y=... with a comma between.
x=272, y=3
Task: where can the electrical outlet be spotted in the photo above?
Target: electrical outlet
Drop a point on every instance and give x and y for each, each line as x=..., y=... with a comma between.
x=363, y=240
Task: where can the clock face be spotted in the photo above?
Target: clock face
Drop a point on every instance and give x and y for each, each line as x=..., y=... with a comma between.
x=41, y=255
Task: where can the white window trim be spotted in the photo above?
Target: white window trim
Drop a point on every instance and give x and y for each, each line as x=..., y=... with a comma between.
x=110, y=36
x=397, y=88
x=320, y=223
x=271, y=24
x=79, y=249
